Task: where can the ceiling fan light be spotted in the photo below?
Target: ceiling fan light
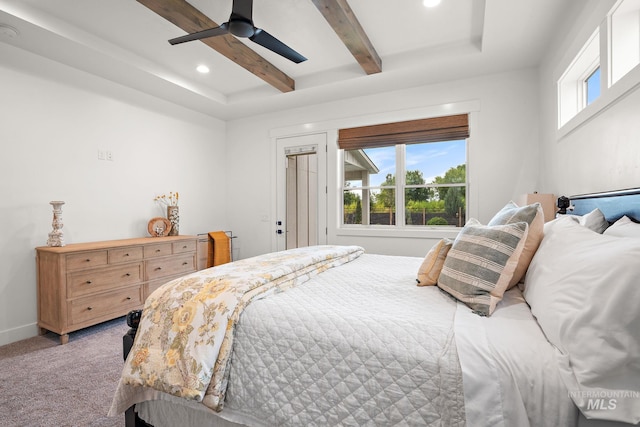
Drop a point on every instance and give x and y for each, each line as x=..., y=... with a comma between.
x=430, y=3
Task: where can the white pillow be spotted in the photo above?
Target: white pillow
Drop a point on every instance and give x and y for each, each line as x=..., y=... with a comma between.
x=584, y=290
x=594, y=220
x=624, y=227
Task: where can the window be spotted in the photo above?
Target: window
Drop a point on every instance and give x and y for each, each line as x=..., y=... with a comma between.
x=435, y=183
x=611, y=53
x=625, y=38
x=571, y=86
x=407, y=174
x=592, y=86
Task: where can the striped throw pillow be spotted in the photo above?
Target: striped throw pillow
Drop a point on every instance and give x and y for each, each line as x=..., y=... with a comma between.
x=481, y=263
x=532, y=215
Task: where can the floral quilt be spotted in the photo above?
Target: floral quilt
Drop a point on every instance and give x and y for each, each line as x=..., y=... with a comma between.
x=185, y=337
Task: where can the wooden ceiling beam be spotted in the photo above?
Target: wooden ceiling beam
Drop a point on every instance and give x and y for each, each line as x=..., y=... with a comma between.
x=339, y=15
x=191, y=20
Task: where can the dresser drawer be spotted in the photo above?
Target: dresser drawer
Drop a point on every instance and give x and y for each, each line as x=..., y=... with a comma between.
x=160, y=249
x=94, y=307
x=91, y=281
x=155, y=284
x=185, y=246
x=128, y=254
x=86, y=260
x=164, y=267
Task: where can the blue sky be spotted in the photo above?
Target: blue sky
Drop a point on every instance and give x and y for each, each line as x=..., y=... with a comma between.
x=432, y=159
x=593, y=86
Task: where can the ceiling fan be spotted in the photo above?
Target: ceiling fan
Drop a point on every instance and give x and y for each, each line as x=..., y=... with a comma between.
x=240, y=24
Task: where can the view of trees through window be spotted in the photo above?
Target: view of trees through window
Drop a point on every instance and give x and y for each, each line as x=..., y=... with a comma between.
x=433, y=192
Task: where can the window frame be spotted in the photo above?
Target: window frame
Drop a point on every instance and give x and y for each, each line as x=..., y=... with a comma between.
x=571, y=92
x=620, y=53
x=400, y=188
x=572, y=110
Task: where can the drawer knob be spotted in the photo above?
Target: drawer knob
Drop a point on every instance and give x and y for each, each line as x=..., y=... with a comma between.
x=158, y=268
x=88, y=260
x=89, y=308
x=126, y=254
x=184, y=247
x=128, y=298
x=128, y=274
x=185, y=263
x=88, y=282
x=157, y=250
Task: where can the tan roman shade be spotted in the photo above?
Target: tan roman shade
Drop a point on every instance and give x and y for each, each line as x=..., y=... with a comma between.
x=433, y=129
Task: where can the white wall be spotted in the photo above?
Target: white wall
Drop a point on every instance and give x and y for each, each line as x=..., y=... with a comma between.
x=603, y=153
x=503, y=153
x=53, y=120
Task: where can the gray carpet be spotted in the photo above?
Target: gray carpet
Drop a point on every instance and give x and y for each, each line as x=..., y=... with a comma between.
x=43, y=383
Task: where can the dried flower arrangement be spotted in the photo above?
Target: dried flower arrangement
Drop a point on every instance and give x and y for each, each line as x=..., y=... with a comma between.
x=170, y=200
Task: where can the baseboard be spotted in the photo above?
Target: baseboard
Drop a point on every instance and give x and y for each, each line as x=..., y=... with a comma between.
x=17, y=334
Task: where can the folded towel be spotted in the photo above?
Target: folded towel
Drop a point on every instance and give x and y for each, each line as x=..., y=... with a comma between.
x=219, y=249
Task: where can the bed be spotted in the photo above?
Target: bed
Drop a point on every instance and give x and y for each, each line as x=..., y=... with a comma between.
x=333, y=336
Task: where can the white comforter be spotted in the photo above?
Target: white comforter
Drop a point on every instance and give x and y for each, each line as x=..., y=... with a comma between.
x=362, y=345
x=359, y=345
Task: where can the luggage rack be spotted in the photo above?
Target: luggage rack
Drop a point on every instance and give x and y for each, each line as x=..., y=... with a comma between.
x=228, y=233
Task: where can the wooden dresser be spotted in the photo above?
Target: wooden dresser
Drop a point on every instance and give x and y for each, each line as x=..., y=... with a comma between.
x=83, y=284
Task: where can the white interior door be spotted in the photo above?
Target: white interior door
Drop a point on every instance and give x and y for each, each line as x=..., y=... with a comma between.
x=301, y=191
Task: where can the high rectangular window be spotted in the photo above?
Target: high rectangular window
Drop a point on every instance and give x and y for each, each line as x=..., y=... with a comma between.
x=611, y=53
x=572, y=90
x=625, y=38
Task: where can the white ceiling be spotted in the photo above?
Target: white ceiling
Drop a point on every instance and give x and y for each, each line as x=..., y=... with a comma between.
x=123, y=41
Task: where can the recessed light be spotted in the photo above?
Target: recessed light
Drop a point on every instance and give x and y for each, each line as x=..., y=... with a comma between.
x=202, y=69
x=430, y=3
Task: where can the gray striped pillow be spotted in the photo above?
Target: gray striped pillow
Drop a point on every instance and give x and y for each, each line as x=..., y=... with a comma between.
x=481, y=262
x=532, y=215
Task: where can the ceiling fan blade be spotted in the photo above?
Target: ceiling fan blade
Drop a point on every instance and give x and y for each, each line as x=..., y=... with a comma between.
x=265, y=39
x=211, y=32
x=243, y=9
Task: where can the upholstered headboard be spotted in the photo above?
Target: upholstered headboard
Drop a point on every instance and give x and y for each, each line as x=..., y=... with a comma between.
x=613, y=204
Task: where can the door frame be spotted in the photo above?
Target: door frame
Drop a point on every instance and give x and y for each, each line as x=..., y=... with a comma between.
x=282, y=143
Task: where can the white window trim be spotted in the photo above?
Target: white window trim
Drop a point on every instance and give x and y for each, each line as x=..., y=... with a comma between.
x=610, y=39
x=610, y=94
x=571, y=99
x=608, y=98
x=584, y=94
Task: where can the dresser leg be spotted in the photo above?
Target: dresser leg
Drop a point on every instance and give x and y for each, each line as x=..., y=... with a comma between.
x=64, y=339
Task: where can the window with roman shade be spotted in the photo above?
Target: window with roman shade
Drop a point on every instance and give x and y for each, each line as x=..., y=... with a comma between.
x=405, y=174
